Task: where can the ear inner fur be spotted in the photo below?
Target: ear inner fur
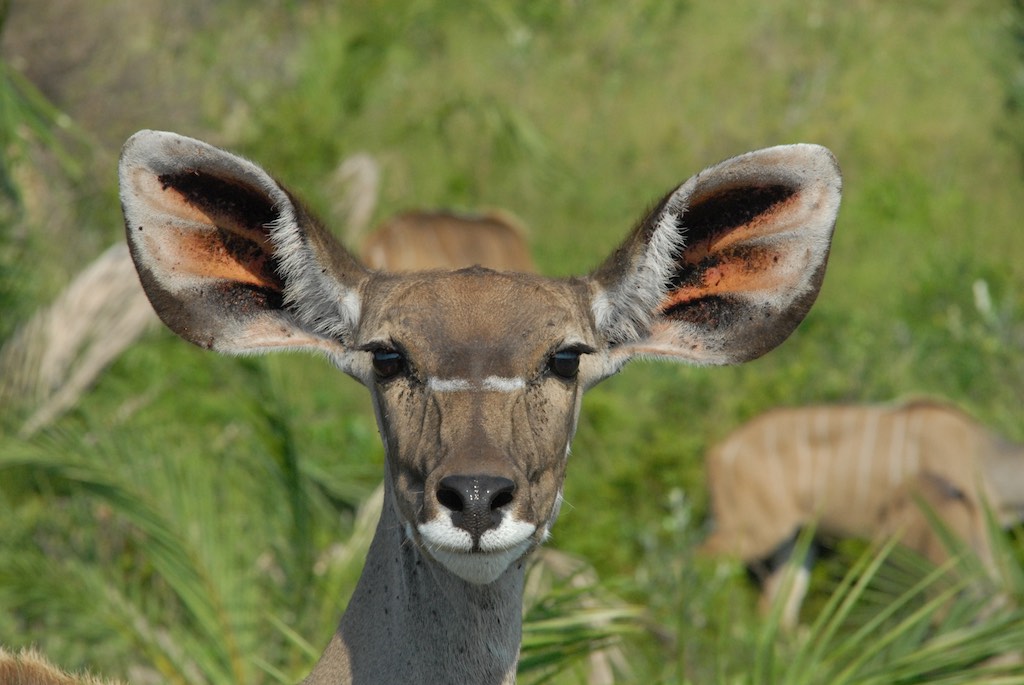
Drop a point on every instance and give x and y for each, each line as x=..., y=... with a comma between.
x=207, y=226
x=712, y=223
x=728, y=263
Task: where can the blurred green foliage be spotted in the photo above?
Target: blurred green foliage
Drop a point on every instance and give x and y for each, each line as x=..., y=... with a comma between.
x=194, y=518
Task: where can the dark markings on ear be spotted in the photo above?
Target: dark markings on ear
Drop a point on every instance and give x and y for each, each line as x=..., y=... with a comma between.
x=738, y=263
x=715, y=311
x=712, y=216
x=247, y=299
x=706, y=220
x=220, y=198
x=196, y=324
x=241, y=216
x=701, y=265
x=254, y=255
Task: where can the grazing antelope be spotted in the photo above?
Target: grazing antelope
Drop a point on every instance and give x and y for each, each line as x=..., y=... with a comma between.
x=420, y=241
x=476, y=376
x=857, y=471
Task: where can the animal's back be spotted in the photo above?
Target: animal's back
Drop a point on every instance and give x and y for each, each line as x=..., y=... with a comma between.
x=419, y=241
x=835, y=465
x=30, y=668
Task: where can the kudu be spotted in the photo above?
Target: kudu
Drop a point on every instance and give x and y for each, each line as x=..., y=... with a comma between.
x=476, y=376
x=863, y=471
x=422, y=240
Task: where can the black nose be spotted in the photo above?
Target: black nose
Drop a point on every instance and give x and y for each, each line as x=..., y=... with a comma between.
x=476, y=502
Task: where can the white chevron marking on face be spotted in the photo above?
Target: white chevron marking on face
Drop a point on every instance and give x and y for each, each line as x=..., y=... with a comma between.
x=500, y=384
x=448, y=384
x=490, y=384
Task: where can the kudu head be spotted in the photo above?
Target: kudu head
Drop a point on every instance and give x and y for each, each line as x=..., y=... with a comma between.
x=476, y=376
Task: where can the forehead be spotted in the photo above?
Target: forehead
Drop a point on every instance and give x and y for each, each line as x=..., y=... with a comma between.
x=445, y=319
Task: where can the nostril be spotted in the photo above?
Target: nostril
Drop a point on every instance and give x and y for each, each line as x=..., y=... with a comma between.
x=450, y=498
x=502, y=498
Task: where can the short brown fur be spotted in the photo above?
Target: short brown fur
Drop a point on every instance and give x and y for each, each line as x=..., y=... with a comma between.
x=860, y=471
x=424, y=240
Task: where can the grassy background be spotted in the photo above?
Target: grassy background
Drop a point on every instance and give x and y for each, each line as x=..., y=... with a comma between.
x=574, y=115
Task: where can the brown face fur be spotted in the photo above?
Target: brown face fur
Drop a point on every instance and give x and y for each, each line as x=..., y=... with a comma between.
x=477, y=395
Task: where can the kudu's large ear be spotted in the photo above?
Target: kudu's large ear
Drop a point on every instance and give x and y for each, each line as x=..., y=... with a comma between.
x=727, y=264
x=228, y=258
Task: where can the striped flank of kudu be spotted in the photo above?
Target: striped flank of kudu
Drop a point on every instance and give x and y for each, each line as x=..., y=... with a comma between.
x=857, y=471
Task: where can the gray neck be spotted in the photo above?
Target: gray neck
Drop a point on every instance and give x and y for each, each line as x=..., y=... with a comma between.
x=411, y=621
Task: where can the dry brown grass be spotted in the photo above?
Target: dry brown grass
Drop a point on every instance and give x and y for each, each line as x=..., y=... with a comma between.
x=355, y=187
x=52, y=359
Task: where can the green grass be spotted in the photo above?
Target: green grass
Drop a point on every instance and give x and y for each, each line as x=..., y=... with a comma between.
x=170, y=521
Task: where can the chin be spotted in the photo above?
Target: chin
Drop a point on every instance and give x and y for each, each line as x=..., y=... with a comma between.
x=482, y=562
x=480, y=568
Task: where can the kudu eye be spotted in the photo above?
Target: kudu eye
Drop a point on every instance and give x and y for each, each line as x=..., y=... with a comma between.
x=565, y=363
x=388, y=363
